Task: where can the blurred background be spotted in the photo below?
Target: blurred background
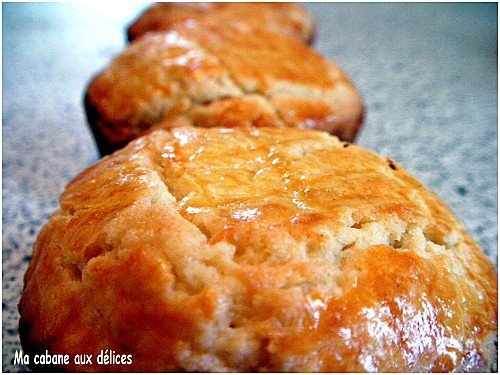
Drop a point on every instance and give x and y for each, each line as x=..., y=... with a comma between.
x=428, y=74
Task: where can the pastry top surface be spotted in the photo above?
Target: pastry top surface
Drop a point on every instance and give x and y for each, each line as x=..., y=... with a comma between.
x=258, y=249
x=287, y=19
x=218, y=76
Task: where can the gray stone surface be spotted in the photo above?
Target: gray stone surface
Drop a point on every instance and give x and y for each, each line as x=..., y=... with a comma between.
x=428, y=74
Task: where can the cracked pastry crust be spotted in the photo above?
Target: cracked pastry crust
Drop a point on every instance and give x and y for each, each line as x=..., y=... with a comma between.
x=219, y=76
x=258, y=249
x=286, y=19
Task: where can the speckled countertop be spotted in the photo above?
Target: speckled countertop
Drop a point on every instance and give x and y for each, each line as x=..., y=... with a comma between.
x=428, y=74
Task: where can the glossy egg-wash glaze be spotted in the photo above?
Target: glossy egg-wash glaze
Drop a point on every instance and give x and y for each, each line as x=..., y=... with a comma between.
x=258, y=249
x=218, y=76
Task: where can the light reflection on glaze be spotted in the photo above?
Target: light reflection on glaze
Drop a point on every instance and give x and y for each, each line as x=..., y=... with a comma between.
x=420, y=329
x=196, y=153
x=346, y=335
x=195, y=210
x=394, y=319
x=174, y=39
x=183, y=137
x=314, y=306
x=473, y=360
x=379, y=327
x=379, y=324
x=296, y=200
x=416, y=330
x=169, y=152
x=368, y=363
x=259, y=172
x=246, y=215
x=271, y=173
x=186, y=59
x=125, y=178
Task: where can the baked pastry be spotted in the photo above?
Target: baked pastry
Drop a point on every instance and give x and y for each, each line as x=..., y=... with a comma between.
x=287, y=19
x=219, y=77
x=258, y=249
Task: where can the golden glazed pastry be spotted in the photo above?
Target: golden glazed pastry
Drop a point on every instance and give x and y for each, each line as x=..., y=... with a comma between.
x=258, y=249
x=287, y=19
x=219, y=77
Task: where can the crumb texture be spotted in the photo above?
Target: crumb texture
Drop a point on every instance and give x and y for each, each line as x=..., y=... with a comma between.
x=257, y=249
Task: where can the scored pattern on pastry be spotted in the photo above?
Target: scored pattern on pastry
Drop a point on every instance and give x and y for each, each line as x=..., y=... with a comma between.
x=258, y=249
x=280, y=18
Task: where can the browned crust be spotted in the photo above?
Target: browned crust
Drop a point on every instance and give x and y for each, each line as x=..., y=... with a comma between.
x=282, y=18
x=258, y=249
x=212, y=77
x=97, y=124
